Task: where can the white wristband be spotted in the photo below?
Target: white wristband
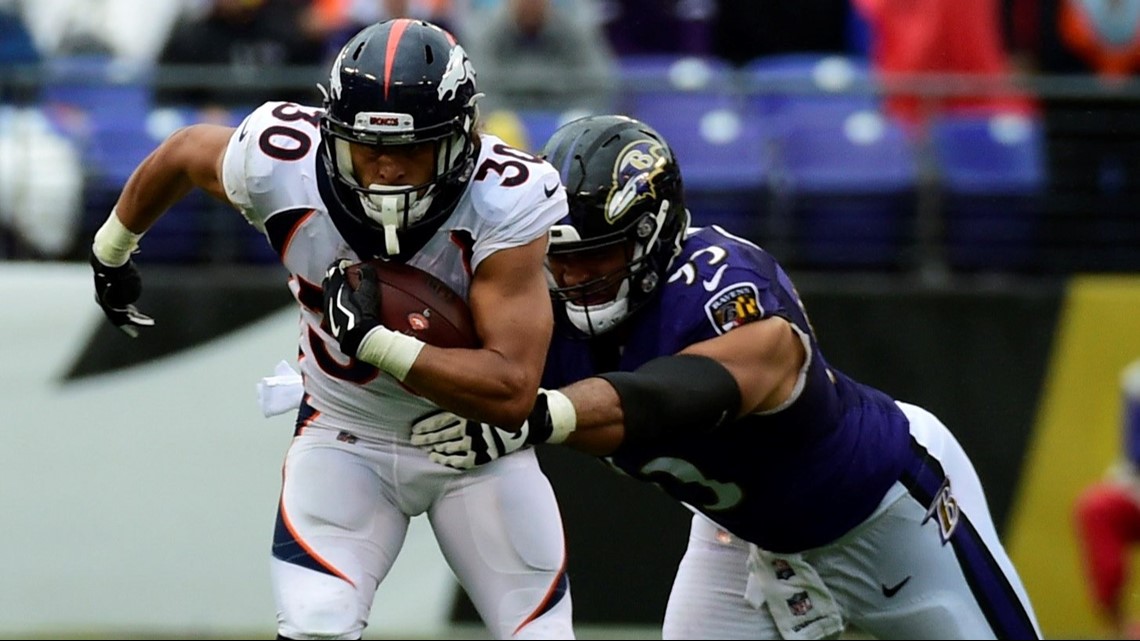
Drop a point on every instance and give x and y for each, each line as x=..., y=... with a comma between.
x=563, y=416
x=114, y=243
x=391, y=351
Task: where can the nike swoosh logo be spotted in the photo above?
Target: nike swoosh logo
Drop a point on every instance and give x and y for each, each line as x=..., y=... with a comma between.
x=890, y=592
x=549, y=191
x=244, y=132
x=712, y=283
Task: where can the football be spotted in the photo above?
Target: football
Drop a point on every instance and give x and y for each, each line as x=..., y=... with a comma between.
x=418, y=304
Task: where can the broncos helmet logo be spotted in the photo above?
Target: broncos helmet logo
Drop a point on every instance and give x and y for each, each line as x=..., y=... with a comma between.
x=334, y=77
x=458, y=72
x=634, y=170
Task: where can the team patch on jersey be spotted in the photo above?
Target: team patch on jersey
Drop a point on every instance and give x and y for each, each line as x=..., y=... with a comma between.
x=734, y=306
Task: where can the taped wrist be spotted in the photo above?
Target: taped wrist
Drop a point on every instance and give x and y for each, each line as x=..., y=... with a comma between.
x=552, y=419
x=391, y=351
x=674, y=395
x=114, y=243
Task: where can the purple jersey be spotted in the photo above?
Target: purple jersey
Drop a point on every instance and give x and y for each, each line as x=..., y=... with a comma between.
x=789, y=479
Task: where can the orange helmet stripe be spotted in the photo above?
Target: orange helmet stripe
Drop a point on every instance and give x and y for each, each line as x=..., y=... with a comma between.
x=394, y=37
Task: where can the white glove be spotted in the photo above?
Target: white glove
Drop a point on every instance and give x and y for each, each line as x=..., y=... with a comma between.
x=463, y=444
x=281, y=392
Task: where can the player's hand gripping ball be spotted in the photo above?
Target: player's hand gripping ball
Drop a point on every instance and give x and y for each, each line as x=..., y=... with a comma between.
x=415, y=303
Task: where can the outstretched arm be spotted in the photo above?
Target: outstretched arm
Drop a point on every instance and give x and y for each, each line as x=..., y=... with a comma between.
x=751, y=368
x=191, y=157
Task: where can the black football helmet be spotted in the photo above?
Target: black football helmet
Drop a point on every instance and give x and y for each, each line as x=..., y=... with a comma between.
x=624, y=186
x=401, y=82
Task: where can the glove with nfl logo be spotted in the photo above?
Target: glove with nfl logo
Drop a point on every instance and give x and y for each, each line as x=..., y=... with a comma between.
x=463, y=443
x=351, y=313
x=353, y=317
x=116, y=290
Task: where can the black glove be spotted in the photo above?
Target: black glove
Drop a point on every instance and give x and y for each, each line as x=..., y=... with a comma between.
x=116, y=290
x=351, y=314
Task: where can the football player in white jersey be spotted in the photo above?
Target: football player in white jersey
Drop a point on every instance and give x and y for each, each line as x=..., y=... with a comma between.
x=393, y=166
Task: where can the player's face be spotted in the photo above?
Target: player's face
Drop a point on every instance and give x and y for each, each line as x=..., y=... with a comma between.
x=391, y=165
x=605, y=267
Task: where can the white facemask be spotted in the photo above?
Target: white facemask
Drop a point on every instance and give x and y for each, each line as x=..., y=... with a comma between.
x=600, y=318
x=389, y=211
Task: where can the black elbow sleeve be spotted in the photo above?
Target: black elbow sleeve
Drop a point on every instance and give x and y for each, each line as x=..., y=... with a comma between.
x=674, y=395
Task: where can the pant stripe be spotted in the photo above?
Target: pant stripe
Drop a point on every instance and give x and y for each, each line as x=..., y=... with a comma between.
x=991, y=588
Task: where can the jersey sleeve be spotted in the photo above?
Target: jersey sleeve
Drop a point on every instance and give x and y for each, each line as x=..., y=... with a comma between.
x=719, y=288
x=515, y=213
x=269, y=163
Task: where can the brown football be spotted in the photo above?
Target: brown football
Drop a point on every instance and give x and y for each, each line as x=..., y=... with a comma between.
x=418, y=304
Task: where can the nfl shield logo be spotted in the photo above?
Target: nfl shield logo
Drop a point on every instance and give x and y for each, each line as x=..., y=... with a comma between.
x=800, y=604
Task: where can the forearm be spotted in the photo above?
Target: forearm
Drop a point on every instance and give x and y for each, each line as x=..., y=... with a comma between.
x=477, y=383
x=665, y=398
x=600, y=427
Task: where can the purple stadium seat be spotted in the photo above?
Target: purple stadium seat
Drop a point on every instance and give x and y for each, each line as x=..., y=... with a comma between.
x=992, y=171
x=798, y=83
x=847, y=187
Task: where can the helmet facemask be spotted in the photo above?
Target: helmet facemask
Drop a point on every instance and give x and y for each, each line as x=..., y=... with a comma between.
x=639, y=276
x=400, y=207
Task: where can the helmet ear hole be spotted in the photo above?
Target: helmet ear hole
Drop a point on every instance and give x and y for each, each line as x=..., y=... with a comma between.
x=646, y=226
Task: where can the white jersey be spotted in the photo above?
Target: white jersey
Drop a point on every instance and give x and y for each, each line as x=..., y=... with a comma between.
x=270, y=173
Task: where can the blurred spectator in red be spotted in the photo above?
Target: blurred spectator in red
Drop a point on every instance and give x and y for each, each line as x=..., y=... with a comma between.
x=250, y=38
x=532, y=55
x=1092, y=137
x=744, y=30
x=658, y=26
x=910, y=37
x=1107, y=518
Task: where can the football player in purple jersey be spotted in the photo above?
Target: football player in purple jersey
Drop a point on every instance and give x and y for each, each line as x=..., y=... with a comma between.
x=685, y=357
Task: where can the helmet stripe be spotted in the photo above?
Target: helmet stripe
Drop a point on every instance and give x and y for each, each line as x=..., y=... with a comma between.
x=394, y=37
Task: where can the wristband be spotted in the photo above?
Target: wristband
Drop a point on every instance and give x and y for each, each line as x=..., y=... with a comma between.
x=563, y=416
x=391, y=351
x=114, y=243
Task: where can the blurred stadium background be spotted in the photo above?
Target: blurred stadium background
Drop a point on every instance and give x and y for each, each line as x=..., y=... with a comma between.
x=967, y=241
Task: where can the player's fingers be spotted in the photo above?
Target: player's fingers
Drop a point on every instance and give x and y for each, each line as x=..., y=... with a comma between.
x=452, y=446
x=432, y=438
x=435, y=422
x=457, y=462
x=138, y=318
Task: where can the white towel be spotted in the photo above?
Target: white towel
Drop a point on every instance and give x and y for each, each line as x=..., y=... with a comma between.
x=799, y=601
x=281, y=392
